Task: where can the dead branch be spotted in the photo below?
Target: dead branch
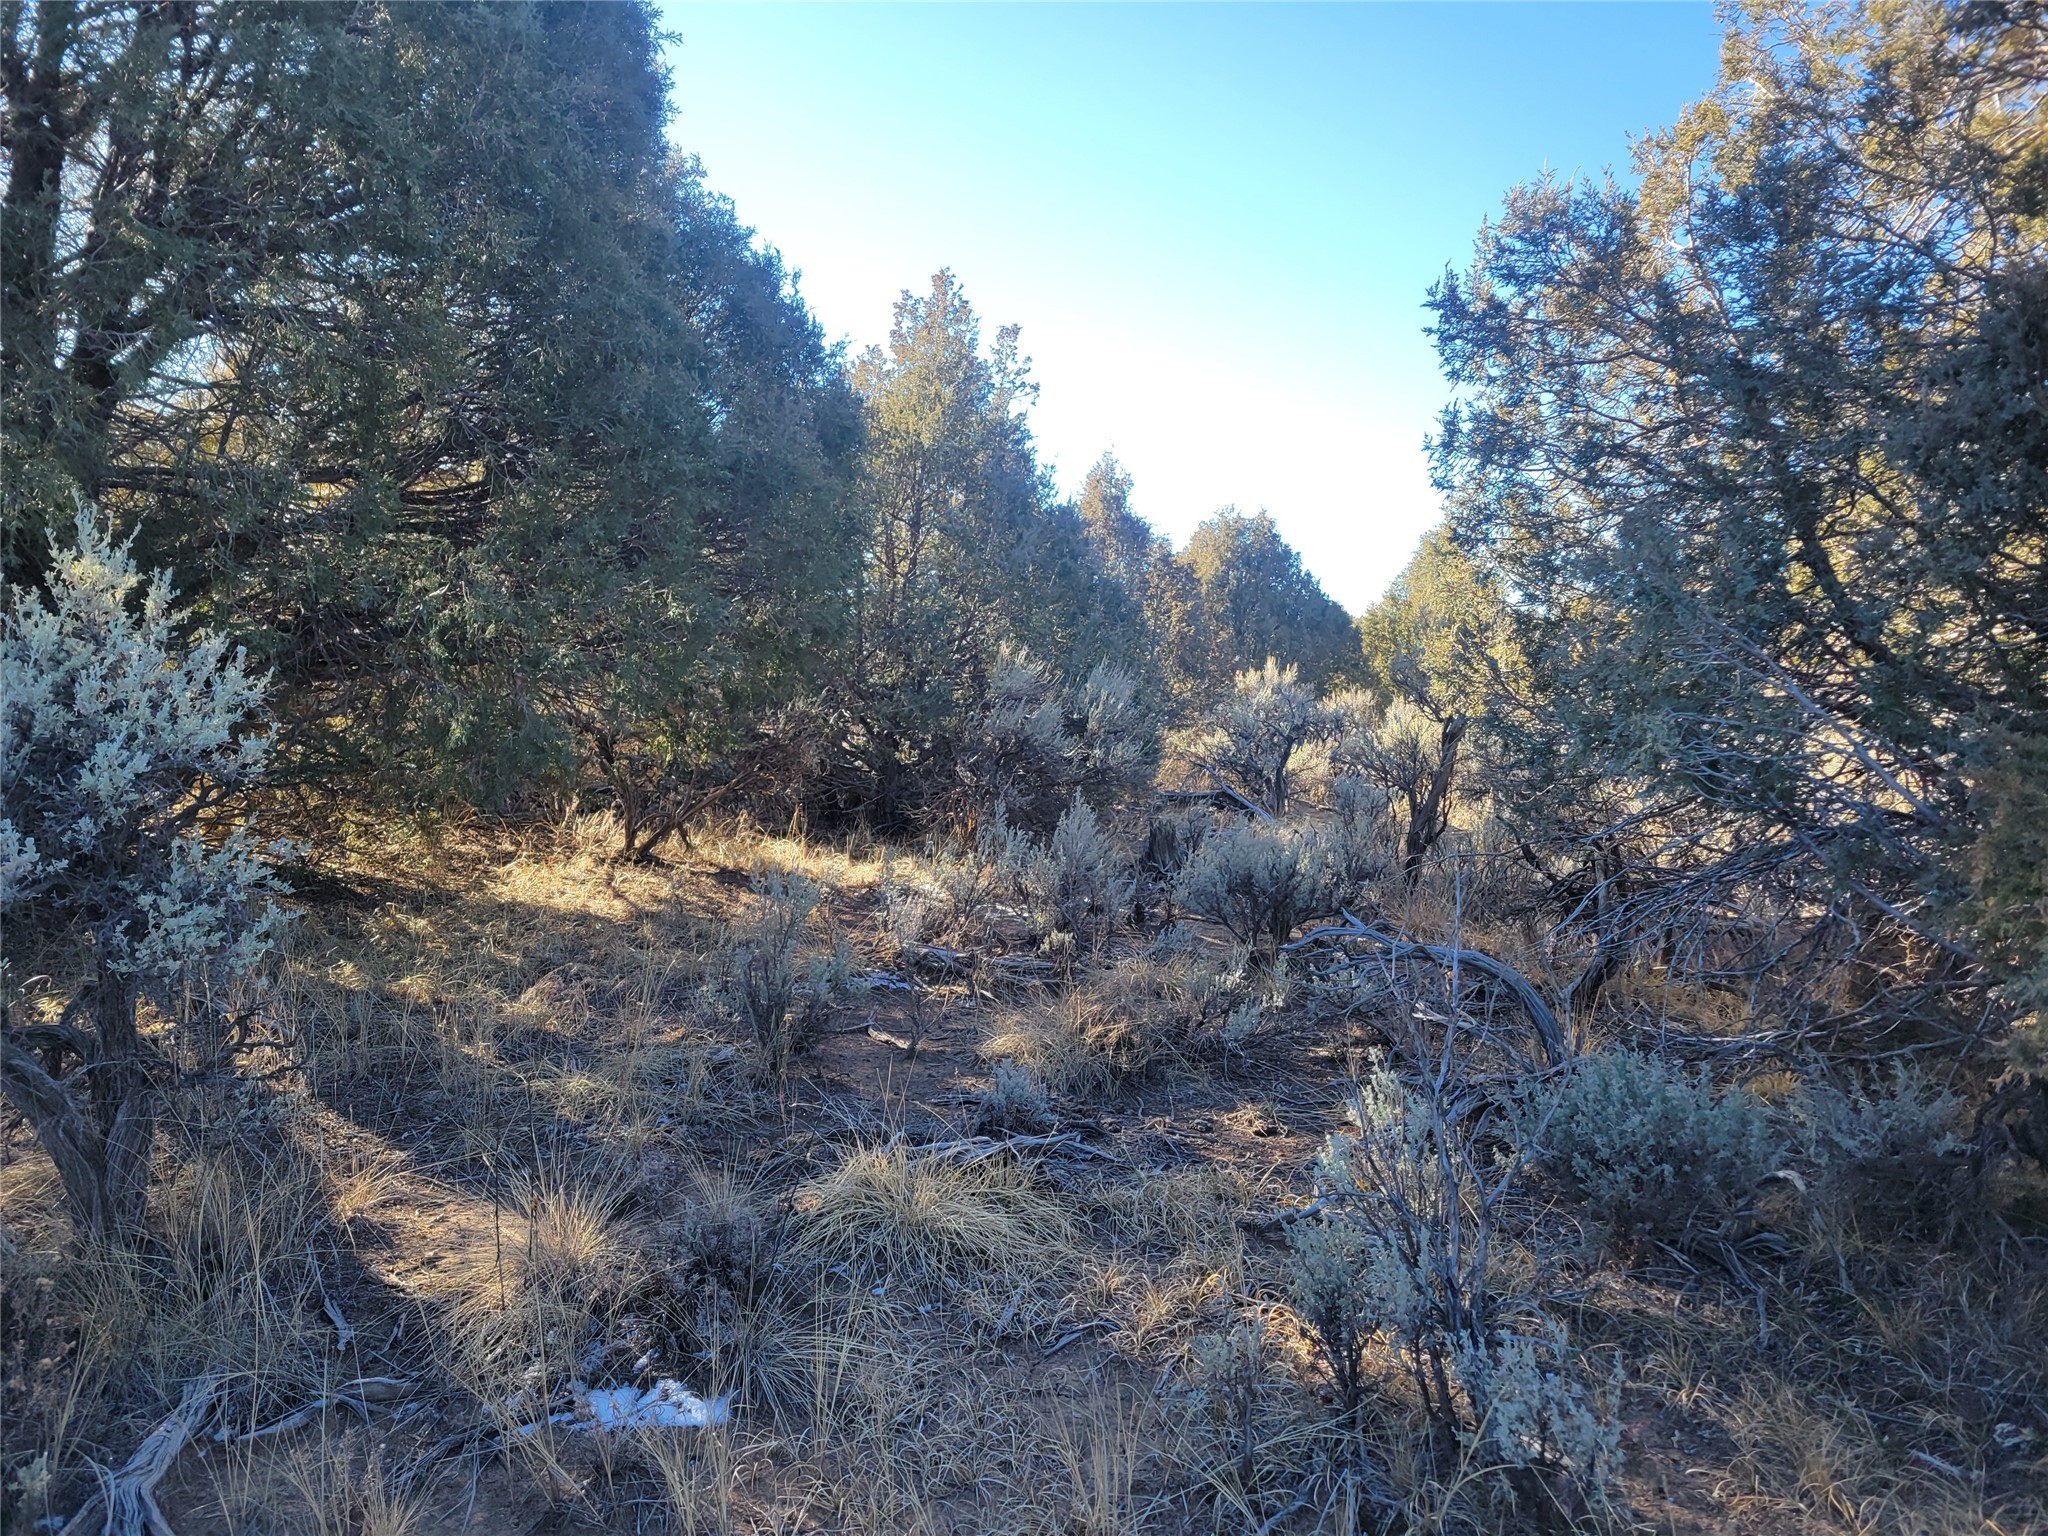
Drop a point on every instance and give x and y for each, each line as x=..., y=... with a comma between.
x=975, y=1149
x=1399, y=946
x=126, y=1502
x=1220, y=796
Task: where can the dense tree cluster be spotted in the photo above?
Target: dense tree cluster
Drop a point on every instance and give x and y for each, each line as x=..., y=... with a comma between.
x=403, y=337
x=1748, y=473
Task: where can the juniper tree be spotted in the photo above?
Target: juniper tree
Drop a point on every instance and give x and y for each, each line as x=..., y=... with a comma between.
x=1759, y=447
x=440, y=380
x=1256, y=600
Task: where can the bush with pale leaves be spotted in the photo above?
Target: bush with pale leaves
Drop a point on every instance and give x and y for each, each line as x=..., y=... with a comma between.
x=118, y=740
x=121, y=744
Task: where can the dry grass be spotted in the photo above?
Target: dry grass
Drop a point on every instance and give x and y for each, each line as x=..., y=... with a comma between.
x=347, y=1492
x=927, y=1217
x=502, y=1140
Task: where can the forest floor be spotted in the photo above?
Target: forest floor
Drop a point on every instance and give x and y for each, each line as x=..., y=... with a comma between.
x=505, y=1158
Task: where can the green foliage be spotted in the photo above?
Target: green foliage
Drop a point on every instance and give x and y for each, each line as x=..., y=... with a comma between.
x=1255, y=601
x=1439, y=635
x=971, y=568
x=1651, y=1149
x=1151, y=601
x=1757, y=446
x=448, y=388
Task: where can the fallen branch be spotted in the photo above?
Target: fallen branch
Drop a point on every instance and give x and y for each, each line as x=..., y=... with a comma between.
x=1273, y=1221
x=975, y=1149
x=1272, y=1522
x=298, y=1418
x=357, y=1397
x=344, y=1331
x=1069, y=1337
x=1399, y=946
x=127, y=1499
x=962, y=964
x=1221, y=796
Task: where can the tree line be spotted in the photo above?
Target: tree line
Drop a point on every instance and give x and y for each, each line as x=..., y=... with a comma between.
x=404, y=339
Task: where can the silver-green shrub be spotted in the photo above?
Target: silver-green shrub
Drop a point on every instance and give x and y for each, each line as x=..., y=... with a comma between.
x=759, y=978
x=1402, y=1256
x=1016, y=1101
x=1356, y=842
x=1259, y=882
x=1039, y=741
x=1083, y=882
x=1392, y=1256
x=1256, y=733
x=1894, y=1148
x=1531, y=1407
x=1651, y=1148
x=122, y=742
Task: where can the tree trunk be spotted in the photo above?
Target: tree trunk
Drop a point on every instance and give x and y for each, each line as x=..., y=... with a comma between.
x=102, y=1148
x=1429, y=818
x=74, y=1146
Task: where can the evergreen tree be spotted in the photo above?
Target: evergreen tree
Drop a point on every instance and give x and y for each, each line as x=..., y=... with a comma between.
x=1758, y=448
x=404, y=341
x=1257, y=602
x=968, y=554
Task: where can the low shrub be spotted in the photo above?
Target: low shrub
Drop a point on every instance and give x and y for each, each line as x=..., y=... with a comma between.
x=1357, y=846
x=759, y=978
x=1259, y=882
x=1652, y=1150
x=1892, y=1149
x=1037, y=742
x=1401, y=1267
x=1256, y=734
x=1082, y=882
x=1016, y=1102
x=1533, y=1409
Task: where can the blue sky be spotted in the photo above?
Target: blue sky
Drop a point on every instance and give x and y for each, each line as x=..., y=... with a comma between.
x=1216, y=224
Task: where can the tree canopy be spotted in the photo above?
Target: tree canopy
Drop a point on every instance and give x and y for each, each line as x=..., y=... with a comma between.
x=1755, y=447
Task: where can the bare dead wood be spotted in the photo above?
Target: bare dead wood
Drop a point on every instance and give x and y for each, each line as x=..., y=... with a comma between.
x=1272, y=1222
x=1100, y=1324
x=1399, y=946
x=975, y=1149
x=1428, y=817
x=938, y=960
x=298, y=1418
x=1219, y=795
x=126, y=1503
